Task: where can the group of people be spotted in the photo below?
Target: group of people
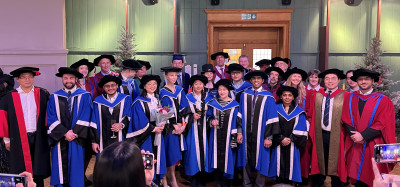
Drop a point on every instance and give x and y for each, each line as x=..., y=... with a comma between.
x=226, y=121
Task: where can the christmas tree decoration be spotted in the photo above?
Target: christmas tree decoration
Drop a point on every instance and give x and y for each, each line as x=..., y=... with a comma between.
x=126, y=47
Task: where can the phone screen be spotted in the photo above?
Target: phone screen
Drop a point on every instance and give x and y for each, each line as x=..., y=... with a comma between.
x=148, y=161
x=11, y=180
x=387, y=153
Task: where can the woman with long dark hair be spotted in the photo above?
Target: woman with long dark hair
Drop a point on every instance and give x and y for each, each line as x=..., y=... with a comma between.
x=142, y=129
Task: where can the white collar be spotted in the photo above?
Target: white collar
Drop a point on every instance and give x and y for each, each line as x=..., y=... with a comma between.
x=258, y=90
x=19, y=89
x=70, y=90
x=334, y=90
x=316, y=88
x=150, y=95
x=105, y=74
x=124, y=78
x=369, y=92
x=113, y=97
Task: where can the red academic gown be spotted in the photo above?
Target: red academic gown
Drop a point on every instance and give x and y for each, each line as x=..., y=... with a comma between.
x=224, y=75
x=309, y=154
x=378, y=114
x=96, y=79
x=90, y=87
x=273, y=92
x=12, y=124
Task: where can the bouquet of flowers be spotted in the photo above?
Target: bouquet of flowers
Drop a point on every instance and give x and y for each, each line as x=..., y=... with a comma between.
x=161, y=114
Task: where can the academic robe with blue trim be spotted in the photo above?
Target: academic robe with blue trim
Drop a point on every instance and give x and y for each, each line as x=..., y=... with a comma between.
x=259, y=122
x=196, y=134
x=221, y=154
x=129, y=87
x=174, y=143
x=67, y=158
x=285, y=160
x=373, y=116
x=236, y=93
x=141, y=132
x=101, y=118
x=22, y=157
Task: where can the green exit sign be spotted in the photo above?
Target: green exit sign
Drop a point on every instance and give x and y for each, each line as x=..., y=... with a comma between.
x=248, y=16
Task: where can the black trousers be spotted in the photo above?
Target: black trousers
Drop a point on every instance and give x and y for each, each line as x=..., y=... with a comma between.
x=318, y=180
x=221, y=181
x=32, y=139
x=198, y=180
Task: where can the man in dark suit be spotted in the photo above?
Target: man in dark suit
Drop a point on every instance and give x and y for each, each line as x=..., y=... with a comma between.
x=178, y=61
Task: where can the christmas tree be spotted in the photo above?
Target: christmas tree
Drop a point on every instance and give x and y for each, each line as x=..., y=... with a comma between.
x=372, y=61
x=126, y=47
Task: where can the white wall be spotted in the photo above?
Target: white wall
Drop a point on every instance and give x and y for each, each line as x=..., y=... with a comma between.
x=32, y=33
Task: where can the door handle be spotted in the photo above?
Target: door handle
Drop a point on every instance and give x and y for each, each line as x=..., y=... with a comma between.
x=244, y=46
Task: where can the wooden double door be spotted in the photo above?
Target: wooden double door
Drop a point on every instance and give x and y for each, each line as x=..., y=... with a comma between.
x=256, y=43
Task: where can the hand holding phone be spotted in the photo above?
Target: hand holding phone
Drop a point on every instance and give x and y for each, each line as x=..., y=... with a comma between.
x=148, y=161
x=12, y=180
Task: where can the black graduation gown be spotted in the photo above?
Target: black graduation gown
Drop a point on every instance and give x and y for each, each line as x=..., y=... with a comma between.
x=11, y=113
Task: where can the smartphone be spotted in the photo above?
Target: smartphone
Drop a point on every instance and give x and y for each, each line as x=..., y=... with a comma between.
x=387, y=153
x=148, y=160
x=11, y=179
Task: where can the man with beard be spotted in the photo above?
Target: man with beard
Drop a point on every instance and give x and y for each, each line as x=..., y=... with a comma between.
x=275, y=76
x=283, y=63
x=369, y=119
x=68, y=117
x=23, y=126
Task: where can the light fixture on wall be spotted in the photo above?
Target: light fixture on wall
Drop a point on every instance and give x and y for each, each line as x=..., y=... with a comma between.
x=153, y=2
x=214, y=2
x=286, y=2
x=353, y=2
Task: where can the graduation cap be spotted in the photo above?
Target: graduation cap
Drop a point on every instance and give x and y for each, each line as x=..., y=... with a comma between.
x=109, y=78
x=195, y=78
x=21, y=70
x=177, y=56
x=365, y=72
x=214, y=56
x=67, y=70
x=263, y=62
x=170, y=69
x=207, y=68
x=302, y=73
x=224, y=82
x=81, y=62
x=235, y=67
x=131, y=64
x=337, y=72
x=286, y=60
x=282, y=89
x=147, y=78
x=109, y=57
x=145, y=63
x=254, y=73
x=272, y=68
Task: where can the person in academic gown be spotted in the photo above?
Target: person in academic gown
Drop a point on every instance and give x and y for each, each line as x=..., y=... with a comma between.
x=174, y=97
x=143, y=129
x=236, y=72
x=104, y=62
x=68, y=117
x=23, y=126
x=326, y=132
x=208, y=71
x=294, y=77
x=145, y=65
x=275, y=75
x=225, y=131
x=196, y=131
x=259, y=124
x=220, y=68
x=84, y=67
x=285, y=154
x=110, y=115
x=6, y=85
x=283, y=63
x=129, y=86
x=369, y=119
x=264, y=64
x=178, y=61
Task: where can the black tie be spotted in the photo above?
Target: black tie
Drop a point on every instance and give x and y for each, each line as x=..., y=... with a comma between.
x=327, y=106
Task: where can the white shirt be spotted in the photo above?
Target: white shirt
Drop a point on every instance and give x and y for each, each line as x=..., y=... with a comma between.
x=237, y=85
x=111, y=100
x=369, y=92
x=316, y=88
x=124, y=78
x=152, y=105
x=198, y=100
x=221, y=72
x=29, y=109
x=72, y=90
x=327, y=128
x=260, y=89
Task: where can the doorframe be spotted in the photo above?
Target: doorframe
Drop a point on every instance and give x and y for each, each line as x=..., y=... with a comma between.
x=266, y=18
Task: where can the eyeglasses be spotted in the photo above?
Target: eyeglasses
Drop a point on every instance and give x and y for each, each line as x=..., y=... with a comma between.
x=26, y=77
x=110, y=86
